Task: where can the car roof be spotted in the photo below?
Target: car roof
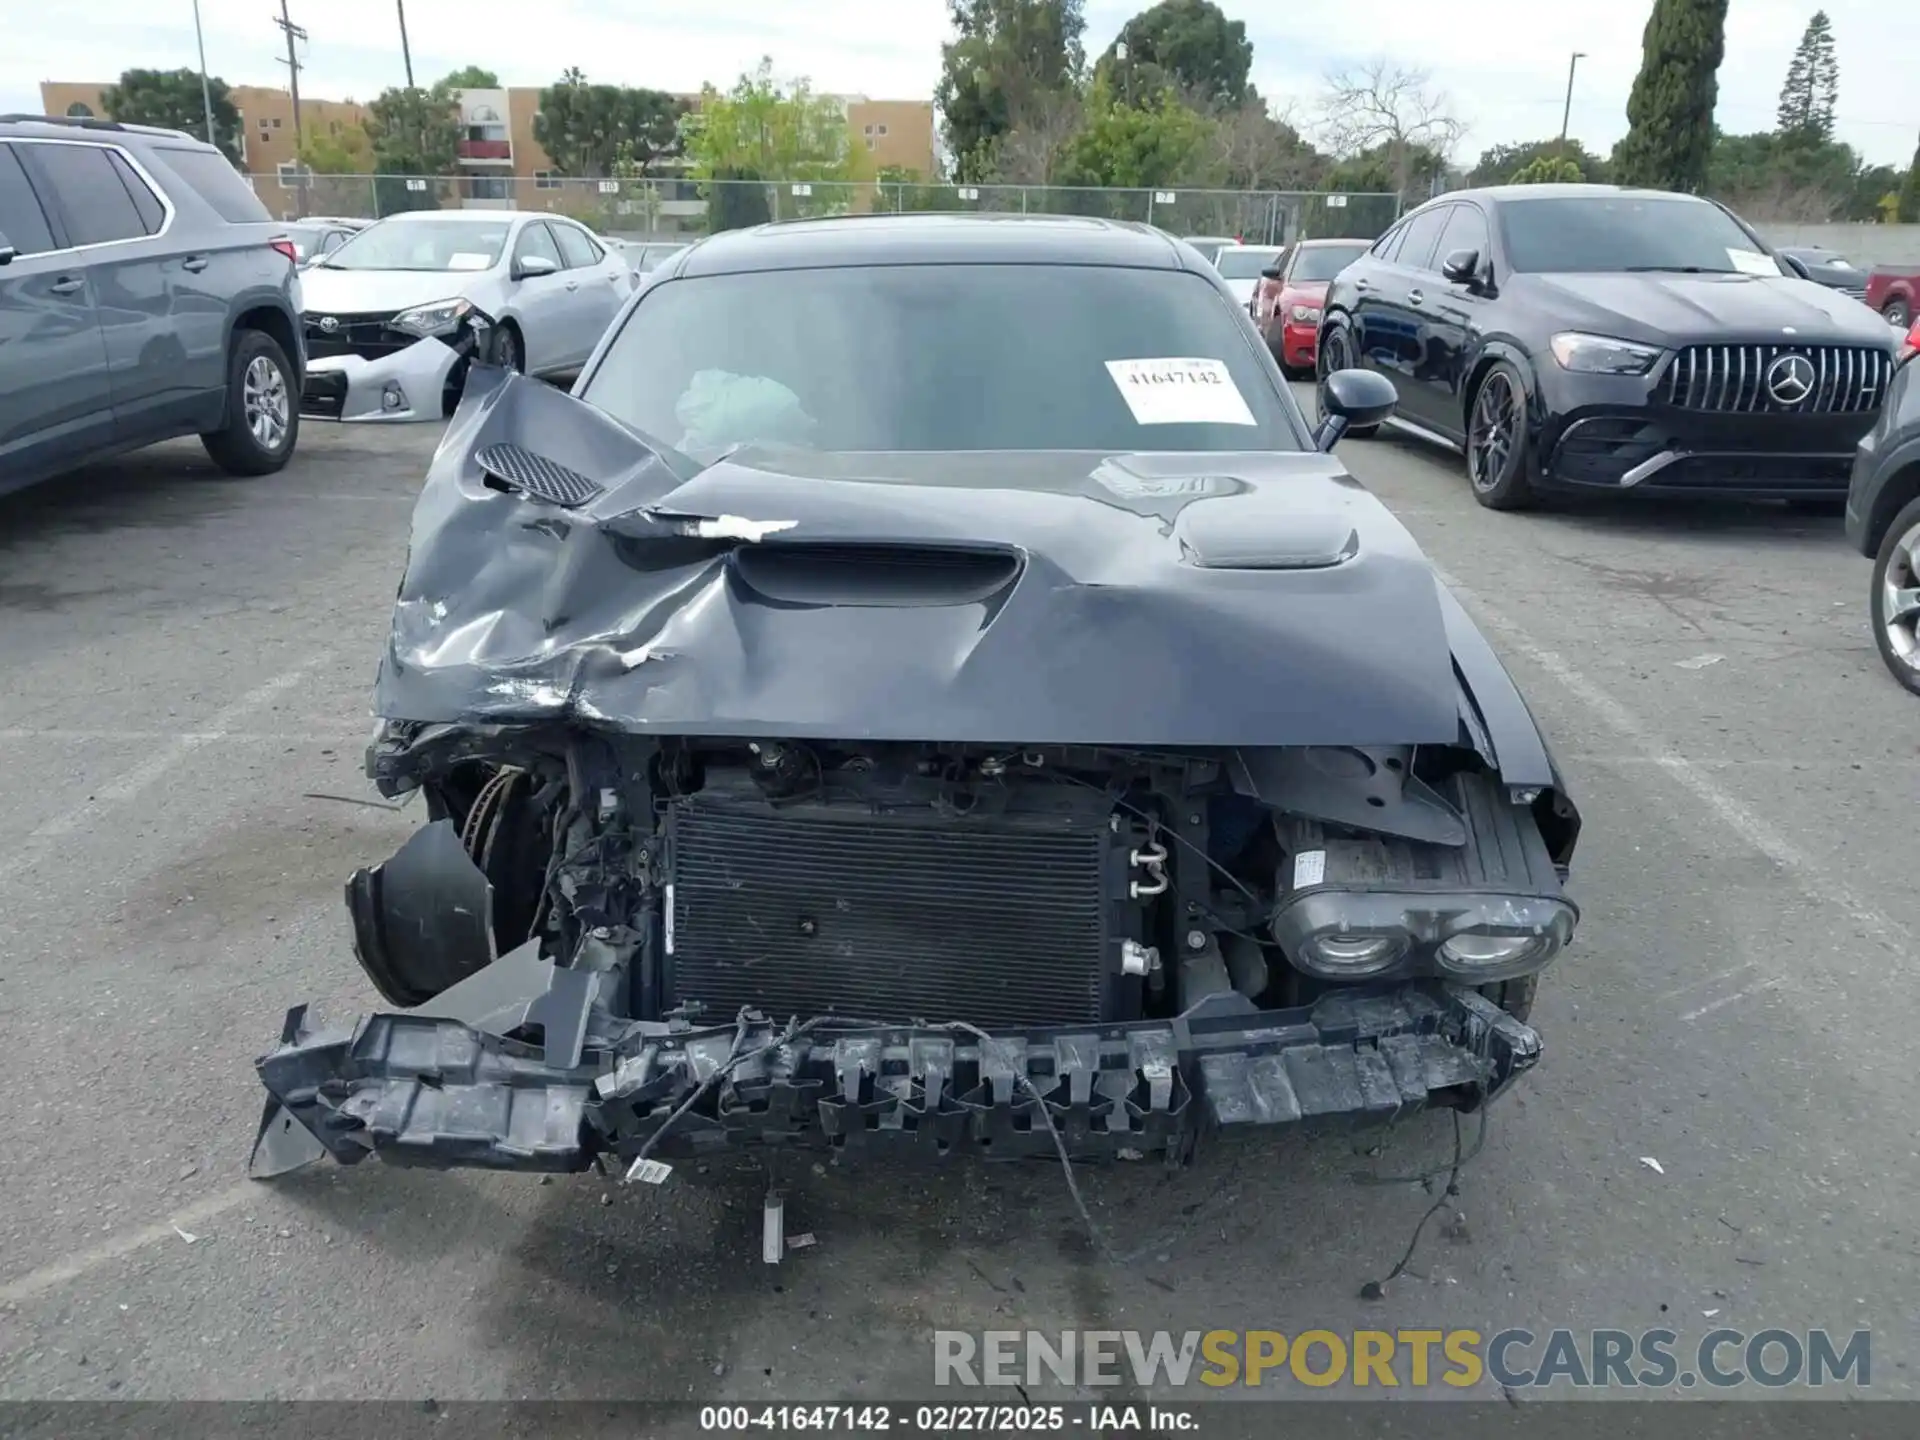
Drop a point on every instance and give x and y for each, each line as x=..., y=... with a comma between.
x=464, y=217
x=1327, y=240
x=1499, y=193
x=852, y=241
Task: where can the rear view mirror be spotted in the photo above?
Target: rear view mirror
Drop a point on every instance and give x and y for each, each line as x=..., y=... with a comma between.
x=7, y=252
x=1272, y=272
x=528, y=266
x=1462, y=267
x=1798, y=266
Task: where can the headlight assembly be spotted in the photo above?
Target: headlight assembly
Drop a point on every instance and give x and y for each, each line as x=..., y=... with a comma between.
x=442, y=317
x=1602, y=354
x=1306, y=315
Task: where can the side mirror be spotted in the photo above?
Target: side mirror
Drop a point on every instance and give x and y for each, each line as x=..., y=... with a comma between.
x=1462, y=267
x=1352, y=399
x=1272, y=272
x=7, y=252
x=528, y=266
x=1797, y=265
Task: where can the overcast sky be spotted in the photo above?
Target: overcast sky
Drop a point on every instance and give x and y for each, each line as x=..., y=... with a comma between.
x=1504, y=62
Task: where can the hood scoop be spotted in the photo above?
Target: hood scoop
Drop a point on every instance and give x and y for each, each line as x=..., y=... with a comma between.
x=515, y=468
x=810, y=574
x=1239, y=537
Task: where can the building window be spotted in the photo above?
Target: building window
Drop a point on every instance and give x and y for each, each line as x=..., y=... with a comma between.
x=870, y=142
x=868, y=131
x=276, y=122
x=289, y=174
x=79, y=110
x=545, y=180
x=880, y=130
x=491, y=187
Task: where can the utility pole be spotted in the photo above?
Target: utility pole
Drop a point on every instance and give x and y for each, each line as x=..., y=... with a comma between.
x=206, y=90
x=1566, y=112
x=295, y=33
x=406, y=52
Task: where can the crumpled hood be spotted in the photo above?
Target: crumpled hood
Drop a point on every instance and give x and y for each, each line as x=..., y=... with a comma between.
x=377, y=292
x=1677, y=309
x=1206, y=600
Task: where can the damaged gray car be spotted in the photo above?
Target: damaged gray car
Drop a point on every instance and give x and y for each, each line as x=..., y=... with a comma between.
x=928, y=690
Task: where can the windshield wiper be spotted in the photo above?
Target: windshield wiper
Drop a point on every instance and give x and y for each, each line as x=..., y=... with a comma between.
x=1674, y=270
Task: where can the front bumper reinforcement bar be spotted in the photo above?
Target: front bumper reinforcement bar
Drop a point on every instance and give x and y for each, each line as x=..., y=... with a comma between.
x=522, y=1077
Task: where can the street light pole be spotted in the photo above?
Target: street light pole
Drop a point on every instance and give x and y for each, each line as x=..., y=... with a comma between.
x=206, y=89
x=1566, y=112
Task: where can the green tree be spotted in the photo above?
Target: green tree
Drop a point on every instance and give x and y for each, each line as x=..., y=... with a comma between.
x=1812, y=87
x=1189, y=45
x=736, y=199
x=415, y=133
x=1497, y=163
x=1009, y=61
x=1139, y=147
x=583, y=127
x=1669, y=139
x=1907, y=210
x=472, y=77
x=341, y=148
x=782, y=135
x=1548, y=170
x=173, y=98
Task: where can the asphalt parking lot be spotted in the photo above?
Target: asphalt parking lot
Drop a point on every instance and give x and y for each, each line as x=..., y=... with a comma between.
x=185, y=662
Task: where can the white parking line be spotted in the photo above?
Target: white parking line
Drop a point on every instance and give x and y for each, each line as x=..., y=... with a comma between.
x=1726, y=1000
x=54, y=734
x=72, y=1267
x=1815, y=880
x=45, y=839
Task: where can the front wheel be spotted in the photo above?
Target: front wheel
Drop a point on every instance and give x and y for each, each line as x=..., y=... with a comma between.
x=1497, y=458
x=1898, y=313
x=1895, y=601
x=263, y=418
x=1335, y=352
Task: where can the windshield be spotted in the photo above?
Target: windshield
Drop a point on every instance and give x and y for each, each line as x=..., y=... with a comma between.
x=991, y=357
x=434, y=245
x=1619, y=233
x=1323, y=262
x=1243, y=262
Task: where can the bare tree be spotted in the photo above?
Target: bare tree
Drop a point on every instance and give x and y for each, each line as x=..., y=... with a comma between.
x=1783, y=201
x=1257, y=148
x=1380, y=104
x=1044, y=123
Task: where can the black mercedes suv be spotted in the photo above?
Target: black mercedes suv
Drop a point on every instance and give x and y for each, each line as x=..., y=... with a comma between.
x=1591, y=337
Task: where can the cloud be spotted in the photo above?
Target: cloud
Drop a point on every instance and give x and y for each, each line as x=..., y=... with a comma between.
x=1503, y=62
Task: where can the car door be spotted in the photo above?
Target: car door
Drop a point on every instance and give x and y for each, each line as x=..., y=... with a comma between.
x=1454, y=310
x=540, y=303
x=157, y=356
x=1396, y=335
x=596, y=282
x=1365, y=284
x=56, y=395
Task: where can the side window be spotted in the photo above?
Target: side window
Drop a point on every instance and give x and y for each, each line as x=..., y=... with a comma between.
x=1423, y=232
x=1466, y=230
x=579, y=250
x=152, y=213
x=1388, y=245
x=86, y=191
x=536, y=243
x=22, y=221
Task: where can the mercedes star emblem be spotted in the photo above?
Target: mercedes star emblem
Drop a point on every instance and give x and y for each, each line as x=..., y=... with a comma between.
x=1790, y=379
x=329, y=324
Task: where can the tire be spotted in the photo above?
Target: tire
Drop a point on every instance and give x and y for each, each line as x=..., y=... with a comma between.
x=510, y=351
x=263, y=409
x=1896, y=569
x=1335, y=352
x=1498, y=454
x=1898, y=313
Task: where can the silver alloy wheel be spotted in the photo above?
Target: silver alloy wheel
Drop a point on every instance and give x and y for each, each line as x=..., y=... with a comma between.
x=264, y=397
x=1900, y=599
x=1491, y=436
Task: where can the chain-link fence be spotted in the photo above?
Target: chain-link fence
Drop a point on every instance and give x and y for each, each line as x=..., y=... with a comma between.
x=672, y=208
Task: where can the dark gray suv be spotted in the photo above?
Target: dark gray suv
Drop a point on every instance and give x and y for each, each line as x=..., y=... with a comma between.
x=145, y=294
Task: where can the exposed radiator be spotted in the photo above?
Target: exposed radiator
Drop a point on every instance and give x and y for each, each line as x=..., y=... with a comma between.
x=820, y=909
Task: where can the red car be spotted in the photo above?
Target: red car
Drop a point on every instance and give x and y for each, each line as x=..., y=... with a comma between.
x=1287, y=308
x=1891, y=290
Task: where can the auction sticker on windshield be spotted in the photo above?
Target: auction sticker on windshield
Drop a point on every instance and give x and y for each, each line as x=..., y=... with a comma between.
x=467, y=260
x=1752, y=262
x=1180, y=392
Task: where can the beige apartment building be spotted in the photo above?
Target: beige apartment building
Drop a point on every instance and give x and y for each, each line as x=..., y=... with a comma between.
x=500, y=161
